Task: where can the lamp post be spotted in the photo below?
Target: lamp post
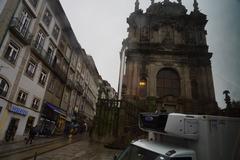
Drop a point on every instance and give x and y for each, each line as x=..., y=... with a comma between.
x=227, y=99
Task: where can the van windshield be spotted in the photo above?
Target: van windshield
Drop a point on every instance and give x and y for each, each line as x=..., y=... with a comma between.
x=136, y=153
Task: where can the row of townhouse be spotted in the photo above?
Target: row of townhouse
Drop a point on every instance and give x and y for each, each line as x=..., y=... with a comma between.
x=106, y=91
x=46, y=78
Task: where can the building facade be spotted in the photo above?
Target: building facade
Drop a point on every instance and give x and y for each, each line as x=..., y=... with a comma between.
x=106, y=91
x=41, y=63
x=166, y=57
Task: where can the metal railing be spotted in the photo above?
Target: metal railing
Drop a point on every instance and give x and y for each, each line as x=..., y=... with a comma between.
x=44, y=56
x=21, y=30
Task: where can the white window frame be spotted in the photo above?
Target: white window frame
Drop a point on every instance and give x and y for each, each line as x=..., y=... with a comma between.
x=24, y=22
x=31, y=68
x=43, y=77
x=5, y=88
x=22, y=97
x=35, y=103
x=40, y=39
x=50, y=53
x=15, y=49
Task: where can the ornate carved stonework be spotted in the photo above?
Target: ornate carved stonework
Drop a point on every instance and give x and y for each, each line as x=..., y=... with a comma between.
x=166, y=38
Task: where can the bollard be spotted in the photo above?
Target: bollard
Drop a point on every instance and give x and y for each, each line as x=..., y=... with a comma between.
x=35, y=156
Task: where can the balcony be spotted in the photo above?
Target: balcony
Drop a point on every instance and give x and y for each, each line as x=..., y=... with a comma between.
x=40, y=53
x=54, y=67
x=59, y=72
x=20, y=31
x=78, y=87
x=70, y=84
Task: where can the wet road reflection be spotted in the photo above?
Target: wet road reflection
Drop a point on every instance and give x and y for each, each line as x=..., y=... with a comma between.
x=82, y=150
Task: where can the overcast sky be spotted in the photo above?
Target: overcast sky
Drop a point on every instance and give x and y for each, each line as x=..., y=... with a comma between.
x=100, y=26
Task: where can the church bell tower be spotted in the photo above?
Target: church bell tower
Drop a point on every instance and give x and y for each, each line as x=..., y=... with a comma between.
x=166, y=57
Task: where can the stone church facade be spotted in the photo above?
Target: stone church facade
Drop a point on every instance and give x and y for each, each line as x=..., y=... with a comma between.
x=166, y=57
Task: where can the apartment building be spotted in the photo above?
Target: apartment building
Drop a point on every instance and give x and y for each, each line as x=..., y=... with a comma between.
x=57, y=55
x=44, y=72
x=23, y=75
x=106, y=91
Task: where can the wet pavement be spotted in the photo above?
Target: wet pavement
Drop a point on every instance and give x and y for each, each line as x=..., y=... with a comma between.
x=13, y=146
x=81, y=150
x=57, y=148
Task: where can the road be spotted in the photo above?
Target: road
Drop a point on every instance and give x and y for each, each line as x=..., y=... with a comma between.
x=81, y=150
x=59, y=148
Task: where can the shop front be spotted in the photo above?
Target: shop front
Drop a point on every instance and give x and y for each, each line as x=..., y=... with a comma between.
x=16, y=120
x=52, y=120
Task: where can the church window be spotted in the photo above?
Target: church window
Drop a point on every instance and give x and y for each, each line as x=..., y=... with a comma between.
x=168, y=83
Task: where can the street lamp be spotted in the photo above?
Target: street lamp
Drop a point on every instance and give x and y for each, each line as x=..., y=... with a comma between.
x=142, y=82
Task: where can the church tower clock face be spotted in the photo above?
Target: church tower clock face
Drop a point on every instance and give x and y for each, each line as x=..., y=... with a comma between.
x=166, y=57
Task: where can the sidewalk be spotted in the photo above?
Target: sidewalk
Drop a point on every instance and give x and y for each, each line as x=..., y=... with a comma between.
x=22, y=151
x=6, y=147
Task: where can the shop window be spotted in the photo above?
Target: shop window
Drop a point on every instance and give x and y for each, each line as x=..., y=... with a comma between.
x=12, y=52
x=22, y=97
x=12, y=128
x=43, y=78
x=36, y=103
x=3, y=87
x=31, y=68
x=47, y=17
x=168, y=83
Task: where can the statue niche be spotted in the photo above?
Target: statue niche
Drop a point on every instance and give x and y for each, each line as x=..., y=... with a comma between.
x=166, y=35
x=145, y=34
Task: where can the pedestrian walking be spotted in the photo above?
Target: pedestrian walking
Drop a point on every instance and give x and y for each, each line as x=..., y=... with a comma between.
x=10, y=133
x=66, y=130
x=31, y=135
x=85, y=127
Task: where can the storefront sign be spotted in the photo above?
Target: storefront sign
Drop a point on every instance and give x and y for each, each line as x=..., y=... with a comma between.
x=18, y=110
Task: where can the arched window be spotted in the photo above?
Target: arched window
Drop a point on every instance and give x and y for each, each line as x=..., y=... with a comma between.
x=3, y=87
x=168, y=83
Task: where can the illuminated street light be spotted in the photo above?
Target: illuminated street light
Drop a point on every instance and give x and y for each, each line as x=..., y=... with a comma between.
x=142, y=82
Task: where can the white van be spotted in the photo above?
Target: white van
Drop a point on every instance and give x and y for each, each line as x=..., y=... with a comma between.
x=186, y=137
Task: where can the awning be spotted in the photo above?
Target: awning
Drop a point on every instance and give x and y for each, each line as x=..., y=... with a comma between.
x=56, y=109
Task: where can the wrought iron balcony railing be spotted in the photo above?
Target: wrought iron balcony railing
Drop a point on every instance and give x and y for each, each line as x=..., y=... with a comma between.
x=79, y=87
x=59, y=71
x=45, y=57
x=70, y=83
x=20, y=30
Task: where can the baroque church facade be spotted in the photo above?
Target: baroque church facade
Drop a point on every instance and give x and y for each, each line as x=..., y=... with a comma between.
x=166, y=56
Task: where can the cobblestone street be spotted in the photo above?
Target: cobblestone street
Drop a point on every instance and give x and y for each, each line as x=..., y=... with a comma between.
x=82, y=150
